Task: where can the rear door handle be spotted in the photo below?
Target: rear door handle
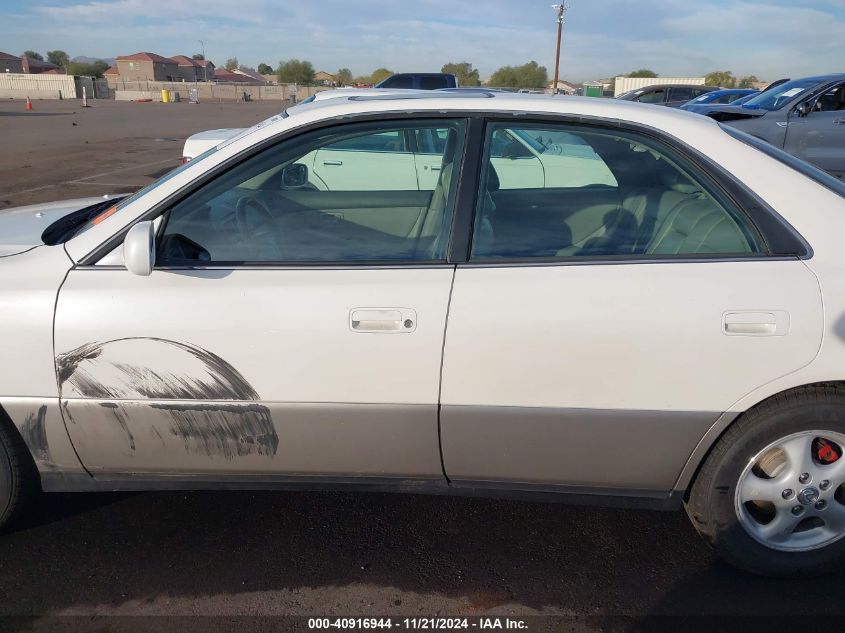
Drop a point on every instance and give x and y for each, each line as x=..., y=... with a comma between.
x=755, y=323
x=383, y=320
x=333, y=163
x=839, y=121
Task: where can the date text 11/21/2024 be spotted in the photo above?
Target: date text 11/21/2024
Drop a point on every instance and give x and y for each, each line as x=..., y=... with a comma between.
x=418, y=624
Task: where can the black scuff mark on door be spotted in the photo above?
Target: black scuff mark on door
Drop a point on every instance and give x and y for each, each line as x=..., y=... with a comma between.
x=154, y=430
x=67, y=363
x=133, y=369
x=122, y=420
x=34, y=432
x=227, y=430
x=127, y=369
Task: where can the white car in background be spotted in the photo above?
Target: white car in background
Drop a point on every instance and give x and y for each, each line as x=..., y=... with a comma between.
x=673, y=337
x=521, y=158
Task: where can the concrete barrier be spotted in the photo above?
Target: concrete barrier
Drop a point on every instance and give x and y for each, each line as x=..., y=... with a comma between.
x=21, y=86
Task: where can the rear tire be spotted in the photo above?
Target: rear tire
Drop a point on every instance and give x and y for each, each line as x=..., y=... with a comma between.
x=18, y=477
x=766, y=467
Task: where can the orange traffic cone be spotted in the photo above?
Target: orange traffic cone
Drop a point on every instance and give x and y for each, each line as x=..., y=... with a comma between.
x=28, y=104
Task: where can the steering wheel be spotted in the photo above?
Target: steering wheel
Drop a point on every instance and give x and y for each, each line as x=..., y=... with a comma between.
x=256, y=225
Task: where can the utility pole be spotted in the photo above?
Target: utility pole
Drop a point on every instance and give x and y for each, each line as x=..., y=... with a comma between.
x=205, y=62
x=561, y=10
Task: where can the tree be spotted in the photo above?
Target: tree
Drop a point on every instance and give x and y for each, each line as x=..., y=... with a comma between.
x=380, y=74
x=231, y=63
x=295, y=71
x=642, y=72
x=720, y=78
x=246, y=68
x=530, y=75
x=33, y=55
x=466, y=74
x=95, y=69
x=265, y=69
x=59, y=58
x=749, y=81
x=344, y=77
x=198, y=56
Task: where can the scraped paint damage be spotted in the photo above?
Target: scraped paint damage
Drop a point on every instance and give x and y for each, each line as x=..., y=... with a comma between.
x=34, y=432
x=125, y=371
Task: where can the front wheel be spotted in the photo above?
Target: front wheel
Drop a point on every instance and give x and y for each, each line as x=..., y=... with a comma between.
x=17, y=474
x=770, y=498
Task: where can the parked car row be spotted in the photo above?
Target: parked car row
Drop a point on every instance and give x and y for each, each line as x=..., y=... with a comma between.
x=805, y=117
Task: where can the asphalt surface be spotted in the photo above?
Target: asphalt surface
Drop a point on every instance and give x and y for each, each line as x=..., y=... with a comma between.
x=62, y=150
x=282, y=553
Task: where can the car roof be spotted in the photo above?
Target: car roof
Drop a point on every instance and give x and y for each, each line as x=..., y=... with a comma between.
x=821, y=78
x=494, y=103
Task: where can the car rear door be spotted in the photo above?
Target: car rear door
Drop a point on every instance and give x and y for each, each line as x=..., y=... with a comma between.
x=285, y=332
x=819, y=137
x=597, y=332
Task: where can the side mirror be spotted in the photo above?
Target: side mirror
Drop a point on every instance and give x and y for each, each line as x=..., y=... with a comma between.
x=804, y=108
x=295, y=176
x=139, y=254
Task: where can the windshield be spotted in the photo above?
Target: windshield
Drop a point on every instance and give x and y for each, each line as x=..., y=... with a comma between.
x=80, y=221
x=776, y=98
x=705, y=97
x=630, y=93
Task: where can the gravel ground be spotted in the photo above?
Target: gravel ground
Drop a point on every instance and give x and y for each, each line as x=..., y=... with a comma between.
x=265, y=554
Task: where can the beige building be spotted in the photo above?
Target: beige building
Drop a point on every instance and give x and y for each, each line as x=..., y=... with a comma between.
x=322, y=78
x=147, y=67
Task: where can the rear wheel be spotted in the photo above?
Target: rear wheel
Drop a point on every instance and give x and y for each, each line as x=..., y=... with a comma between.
x=17, y=475
x=771, y=496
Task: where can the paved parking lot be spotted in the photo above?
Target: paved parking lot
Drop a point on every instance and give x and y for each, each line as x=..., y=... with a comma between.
x=62, y=150
x=228, y=553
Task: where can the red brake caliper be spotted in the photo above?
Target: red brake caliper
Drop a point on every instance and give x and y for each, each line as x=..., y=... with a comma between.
x=826, y=452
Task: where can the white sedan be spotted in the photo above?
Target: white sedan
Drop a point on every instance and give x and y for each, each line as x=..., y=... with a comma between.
x=667, y=328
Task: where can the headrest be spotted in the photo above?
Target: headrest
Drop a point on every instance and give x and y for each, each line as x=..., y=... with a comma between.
x=673, y=180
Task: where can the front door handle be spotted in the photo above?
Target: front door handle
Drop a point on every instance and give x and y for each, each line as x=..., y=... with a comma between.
x=383, y=320
x=839, y=121
x=755, y=323
x=333, y=163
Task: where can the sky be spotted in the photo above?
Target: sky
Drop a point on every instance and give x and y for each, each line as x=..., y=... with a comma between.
x=602, y=38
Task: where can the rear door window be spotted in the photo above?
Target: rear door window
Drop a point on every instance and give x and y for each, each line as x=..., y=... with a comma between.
x=612, y=194
x=433, y=83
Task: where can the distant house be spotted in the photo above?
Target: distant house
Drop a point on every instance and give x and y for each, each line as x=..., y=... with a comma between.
x=271, y=78
x=147, y=67
x=322, y=78
x=563, y=87
x=111, y=71
x=10, y=63
x=255, y=76
x=227, y=76
x=209, y=68
x=190, y=69
x=38, y=67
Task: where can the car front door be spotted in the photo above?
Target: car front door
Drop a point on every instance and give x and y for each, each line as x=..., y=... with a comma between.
x=285, y=330
x=598, y=331
x=819, y=136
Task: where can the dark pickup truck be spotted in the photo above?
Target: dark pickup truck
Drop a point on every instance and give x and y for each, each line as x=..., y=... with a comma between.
x=419, y=81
